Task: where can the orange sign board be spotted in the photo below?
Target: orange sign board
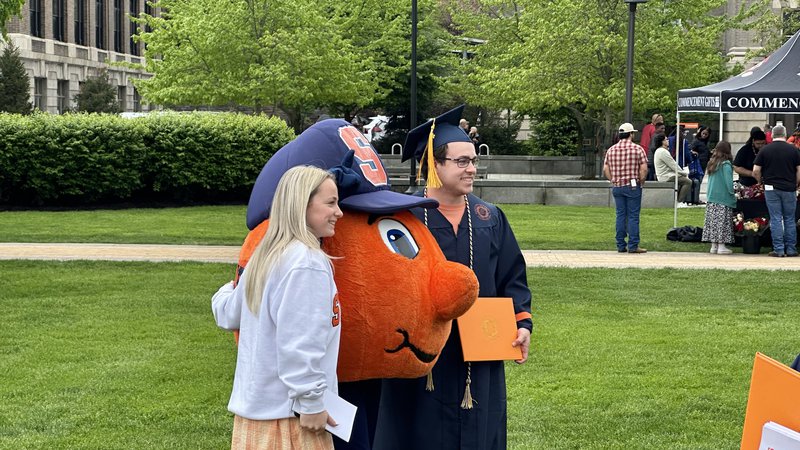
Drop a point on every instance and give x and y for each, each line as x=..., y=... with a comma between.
x=774, y=396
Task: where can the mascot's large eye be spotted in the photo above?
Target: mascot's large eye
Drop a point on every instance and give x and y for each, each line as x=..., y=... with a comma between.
x=397, y=237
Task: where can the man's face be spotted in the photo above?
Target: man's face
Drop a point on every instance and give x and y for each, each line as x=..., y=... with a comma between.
x=660, y=128
x=457, y=180
x=758, y=143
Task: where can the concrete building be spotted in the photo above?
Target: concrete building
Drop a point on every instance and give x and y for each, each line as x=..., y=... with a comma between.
x=64, y=42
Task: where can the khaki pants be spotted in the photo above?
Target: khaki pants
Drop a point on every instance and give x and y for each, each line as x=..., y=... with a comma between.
x=684, y=188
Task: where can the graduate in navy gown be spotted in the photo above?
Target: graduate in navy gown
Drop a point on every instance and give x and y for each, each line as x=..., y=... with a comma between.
x=460, y=405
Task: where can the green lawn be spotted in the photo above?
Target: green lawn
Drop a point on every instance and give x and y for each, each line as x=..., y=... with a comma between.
x=112, y=356
x=126, y=355
x=537, y=227
x=212, y=225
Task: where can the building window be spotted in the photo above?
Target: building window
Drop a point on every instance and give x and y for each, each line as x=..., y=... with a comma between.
x=148, y=10
x=137, y=100
x=134, y=5
x=118, y=45
x=59, y=17
x=63, y=96
x=121, y=97
x=80, y=22
x=36, y=18
x=40, y=93
x=100, y=25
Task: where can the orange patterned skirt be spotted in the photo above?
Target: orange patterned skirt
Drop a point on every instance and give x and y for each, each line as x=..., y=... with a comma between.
x=278, y=434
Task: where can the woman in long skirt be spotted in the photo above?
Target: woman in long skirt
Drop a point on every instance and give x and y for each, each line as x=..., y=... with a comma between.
x=718, y=228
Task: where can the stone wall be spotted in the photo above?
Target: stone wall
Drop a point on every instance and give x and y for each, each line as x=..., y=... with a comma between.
x=560, y=192
x=515, y=165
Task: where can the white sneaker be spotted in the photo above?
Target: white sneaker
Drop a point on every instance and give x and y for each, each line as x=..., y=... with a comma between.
x=714, y=248
x=683, y=205
x=722, y=250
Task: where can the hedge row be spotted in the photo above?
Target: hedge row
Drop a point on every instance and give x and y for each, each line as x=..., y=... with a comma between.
x=89, y=158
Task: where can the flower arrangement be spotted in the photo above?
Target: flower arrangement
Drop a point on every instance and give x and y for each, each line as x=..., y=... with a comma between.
x=754, y=192
x=749, y=227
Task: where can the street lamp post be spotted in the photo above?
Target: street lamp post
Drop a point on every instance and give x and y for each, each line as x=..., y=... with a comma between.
x=629, y=74
x=412, y=117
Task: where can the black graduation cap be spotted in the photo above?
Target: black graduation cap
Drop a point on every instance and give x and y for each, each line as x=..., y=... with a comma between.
x=434, y=133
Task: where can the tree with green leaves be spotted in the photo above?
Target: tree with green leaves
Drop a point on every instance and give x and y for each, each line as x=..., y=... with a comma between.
x=254, y=53
x=382, y=30
x=542, y=54
x=97, y=95
x=8, y=9
x=15, y=86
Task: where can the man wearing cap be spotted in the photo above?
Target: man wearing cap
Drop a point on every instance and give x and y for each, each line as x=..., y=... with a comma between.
x=777, y=166
x=745, y=157
x=649, y=130
x=625, y=165
x=460, y=404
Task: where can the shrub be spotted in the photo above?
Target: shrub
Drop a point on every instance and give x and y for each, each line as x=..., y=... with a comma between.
x=90, y=158
x=554, y=133
x=97, y=95
x=499, y=132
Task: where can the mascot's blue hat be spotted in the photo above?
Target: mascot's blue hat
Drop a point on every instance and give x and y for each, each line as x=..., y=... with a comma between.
x=339, y=147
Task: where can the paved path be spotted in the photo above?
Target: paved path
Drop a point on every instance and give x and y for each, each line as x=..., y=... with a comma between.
x=534, y=258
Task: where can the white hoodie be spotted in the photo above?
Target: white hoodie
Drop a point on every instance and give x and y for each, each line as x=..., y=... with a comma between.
x=287, y=355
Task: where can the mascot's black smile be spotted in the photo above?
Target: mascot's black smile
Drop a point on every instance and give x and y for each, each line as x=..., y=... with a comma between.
x=422, y=356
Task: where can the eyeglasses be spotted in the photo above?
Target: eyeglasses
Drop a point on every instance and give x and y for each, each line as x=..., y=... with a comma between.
x=464, y=162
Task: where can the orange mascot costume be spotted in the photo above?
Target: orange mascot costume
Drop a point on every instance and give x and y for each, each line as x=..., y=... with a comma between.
x=398, y=293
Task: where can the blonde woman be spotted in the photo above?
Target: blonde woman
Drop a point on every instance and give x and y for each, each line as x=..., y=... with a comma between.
x=287, y=313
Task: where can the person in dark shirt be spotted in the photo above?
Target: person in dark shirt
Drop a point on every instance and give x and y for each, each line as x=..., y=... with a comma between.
x=743, y=164
x=777, y=166
x=700, y=145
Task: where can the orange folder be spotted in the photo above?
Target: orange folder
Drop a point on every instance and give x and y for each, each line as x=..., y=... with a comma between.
x=487, y=330
x=774, y=396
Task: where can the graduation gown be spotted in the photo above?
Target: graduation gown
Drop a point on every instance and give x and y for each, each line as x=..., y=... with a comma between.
x=411, y=417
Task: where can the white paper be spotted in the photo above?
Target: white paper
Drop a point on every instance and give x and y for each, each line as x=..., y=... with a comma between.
x=633, y=182
x=777, y=437
x=342, y=412
x=767, y=187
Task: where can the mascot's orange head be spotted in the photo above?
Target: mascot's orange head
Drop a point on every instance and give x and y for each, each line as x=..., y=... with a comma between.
x=398, y=293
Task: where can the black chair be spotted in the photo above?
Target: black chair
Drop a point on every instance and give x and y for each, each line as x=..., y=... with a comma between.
x=796, y=364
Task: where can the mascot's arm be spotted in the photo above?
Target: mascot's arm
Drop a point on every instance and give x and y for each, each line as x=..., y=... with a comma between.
x=511, y=274
x=302, y=310
x=227, y=306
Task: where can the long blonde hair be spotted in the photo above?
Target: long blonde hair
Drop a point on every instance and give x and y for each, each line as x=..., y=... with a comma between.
x=287, y=223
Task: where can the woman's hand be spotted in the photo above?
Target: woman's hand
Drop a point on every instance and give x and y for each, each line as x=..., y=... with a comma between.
x=316, y=422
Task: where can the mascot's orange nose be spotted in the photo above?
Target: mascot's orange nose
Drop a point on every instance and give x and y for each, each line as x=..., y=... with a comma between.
x=454, y=295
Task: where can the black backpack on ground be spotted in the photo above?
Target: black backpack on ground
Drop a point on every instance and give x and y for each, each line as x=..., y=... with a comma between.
x=687, y=233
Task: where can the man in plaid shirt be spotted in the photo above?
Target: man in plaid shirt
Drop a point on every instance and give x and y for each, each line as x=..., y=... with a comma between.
x=625, y=166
